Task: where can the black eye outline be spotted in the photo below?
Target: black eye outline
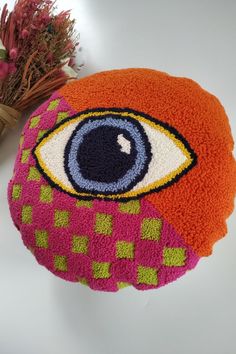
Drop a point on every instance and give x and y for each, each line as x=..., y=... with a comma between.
x=155, y=121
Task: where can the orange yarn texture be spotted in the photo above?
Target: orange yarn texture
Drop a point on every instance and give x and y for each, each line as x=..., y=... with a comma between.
x=197, y=205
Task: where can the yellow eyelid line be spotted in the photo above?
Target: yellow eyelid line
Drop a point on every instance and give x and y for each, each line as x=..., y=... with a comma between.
x=129, y=194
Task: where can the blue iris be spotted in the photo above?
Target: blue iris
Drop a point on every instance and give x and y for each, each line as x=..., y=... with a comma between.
x=95, y=161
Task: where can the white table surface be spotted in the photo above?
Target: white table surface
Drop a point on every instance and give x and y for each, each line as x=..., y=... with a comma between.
x=41, y=314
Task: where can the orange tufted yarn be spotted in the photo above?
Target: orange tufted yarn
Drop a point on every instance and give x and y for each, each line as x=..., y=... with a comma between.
x=198, y=205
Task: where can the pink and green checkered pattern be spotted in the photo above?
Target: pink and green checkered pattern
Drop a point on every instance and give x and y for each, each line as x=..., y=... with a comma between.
x=106, y=245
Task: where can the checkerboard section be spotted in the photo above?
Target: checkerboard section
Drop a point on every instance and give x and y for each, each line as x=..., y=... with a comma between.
x=84, y=203
x=103, y=224
x=124, y=249
x=147, y=275
x=41, y=238
x=34, y=174
x=53, y=104
x=60, y=263
x=174, y=257
x=16, y=191
x=80, y=244
x=122, y=285
x=46, y=194
x=131, y=207
x=101, y=270
x=21, y=142
x=138, y=247
x=61, y=116
x=25, y=155
x=61, y=218
x=34, y=122
x=83, y=281
x=26, y=214
x=41, y=133
x=151, y=229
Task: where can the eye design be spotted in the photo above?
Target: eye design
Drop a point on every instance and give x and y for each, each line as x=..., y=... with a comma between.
x=113, y=154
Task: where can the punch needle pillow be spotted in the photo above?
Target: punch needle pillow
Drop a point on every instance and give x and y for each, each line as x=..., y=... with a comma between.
x=124, y=178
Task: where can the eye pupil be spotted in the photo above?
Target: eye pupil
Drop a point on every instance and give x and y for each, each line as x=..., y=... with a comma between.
x=106, y=154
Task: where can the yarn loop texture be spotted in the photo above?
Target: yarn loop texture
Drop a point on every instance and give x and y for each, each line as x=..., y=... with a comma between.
x=124, y=178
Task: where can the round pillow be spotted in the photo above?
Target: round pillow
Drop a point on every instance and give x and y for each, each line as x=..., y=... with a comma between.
x=125, y=177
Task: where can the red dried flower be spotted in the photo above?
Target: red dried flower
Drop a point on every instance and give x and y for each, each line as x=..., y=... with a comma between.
x=25, y=33
x=6, y=69
x=31, y=33
x=13, y=53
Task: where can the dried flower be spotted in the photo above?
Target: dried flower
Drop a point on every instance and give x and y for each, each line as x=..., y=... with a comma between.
x=3, y=70
x=13, y=53
x=28, y=35
x=25, y=33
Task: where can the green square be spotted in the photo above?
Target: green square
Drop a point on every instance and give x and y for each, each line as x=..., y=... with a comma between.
x=61, y=116
x=124, y=249
x=41, y=133
x=45, y=194
x=21, y=140
x=122, y=285
x=147, y=276
x=80, y=244
x=131, y=207
x=83, y=281
x=151, y=229
x=41, y=238
x=26, y=214
x=60, y=263
x=61, y=218
x=103, y=224
x=174, y=257
x=25, y=155
x=84, y=203
x=34, y=174
x=34, y=122
x=53, y=105
x=16, y=191
x=101, y=270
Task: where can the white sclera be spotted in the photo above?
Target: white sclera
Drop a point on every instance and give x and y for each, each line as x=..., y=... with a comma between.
x=52, y=154
x=167, y=157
